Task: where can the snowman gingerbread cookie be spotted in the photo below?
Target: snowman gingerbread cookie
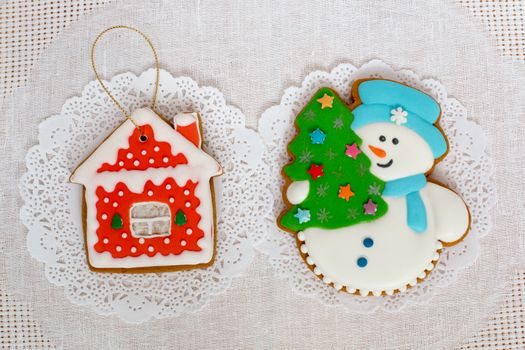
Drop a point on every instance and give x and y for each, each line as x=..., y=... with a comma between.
x=367, y=218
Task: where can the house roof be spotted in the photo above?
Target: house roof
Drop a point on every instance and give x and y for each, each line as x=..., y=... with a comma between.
x=114, y=154
x=145, y=151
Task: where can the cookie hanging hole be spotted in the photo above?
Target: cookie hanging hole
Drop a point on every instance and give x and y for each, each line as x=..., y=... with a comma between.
x=143, y=138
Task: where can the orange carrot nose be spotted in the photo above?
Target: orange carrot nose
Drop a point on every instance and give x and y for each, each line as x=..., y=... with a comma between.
x=377, y=151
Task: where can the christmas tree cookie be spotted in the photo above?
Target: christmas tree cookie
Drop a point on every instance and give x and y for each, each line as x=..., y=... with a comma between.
x=331, y=184
x=366, y=218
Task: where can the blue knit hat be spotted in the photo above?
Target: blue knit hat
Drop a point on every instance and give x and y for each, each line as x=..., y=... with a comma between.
x=388, y=101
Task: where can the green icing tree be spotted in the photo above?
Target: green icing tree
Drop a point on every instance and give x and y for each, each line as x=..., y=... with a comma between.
x=180, y=218
x=326, y=153
x=116, y=222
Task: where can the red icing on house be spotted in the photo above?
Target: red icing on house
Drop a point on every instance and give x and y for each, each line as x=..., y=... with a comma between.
x=191, y=132
x=149, y=200
x=144, y=154
x=123, y=242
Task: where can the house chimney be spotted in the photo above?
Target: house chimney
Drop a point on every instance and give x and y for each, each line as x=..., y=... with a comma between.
x=187, y=124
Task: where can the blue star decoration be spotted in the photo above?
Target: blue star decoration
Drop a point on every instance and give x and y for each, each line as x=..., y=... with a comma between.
x=303, y=215
x=317, y=137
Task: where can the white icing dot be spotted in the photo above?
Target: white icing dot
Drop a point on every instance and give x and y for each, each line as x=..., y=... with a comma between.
x=350, y=289
x=390, y=292
x=327, y=280
x=412, y=283
x=124, y=235
x=337, y=286
x=136, y=162
x=364, y=292
x=150, y=193
x=166, y=241
x=189, y=231
x=165, y=159
x=151, y=160
x=151, y=249
x=106, y=200
x=120, y=193
x=129, y=155
x=105, y=240
x=118, y=248
x=183, y=243
x=141, y=240
x=300, y=236
x=377, y=293
x=187, y=204
x=104, y=216
x=309, y=261
x=317, y=271
x=133, y=249
x=430, y=267
x=115, y=204
x=168, y=187
x=402, y=289
x=121, y=163
x=143, y=152
x=156, y=148
x=422, y=275
x=186, y=192
x=304, y=249
x=439, y=245
x=172, y=199
x=435, y=256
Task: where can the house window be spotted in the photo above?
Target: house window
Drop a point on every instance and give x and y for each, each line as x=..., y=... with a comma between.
x=150, y=219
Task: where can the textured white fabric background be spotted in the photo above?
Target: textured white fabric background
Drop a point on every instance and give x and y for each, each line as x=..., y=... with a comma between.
x=252, y=52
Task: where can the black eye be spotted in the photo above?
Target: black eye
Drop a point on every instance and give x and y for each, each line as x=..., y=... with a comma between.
x=382, y=138
x=395, y=141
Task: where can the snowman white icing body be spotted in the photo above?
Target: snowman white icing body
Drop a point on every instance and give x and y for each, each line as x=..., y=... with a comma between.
x=386, y=255
x=397, y=255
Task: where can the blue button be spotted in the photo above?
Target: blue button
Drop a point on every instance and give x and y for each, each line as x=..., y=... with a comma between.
x=368, y=242
x=362, y=262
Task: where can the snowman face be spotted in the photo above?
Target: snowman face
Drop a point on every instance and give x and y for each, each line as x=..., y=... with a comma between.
x=395, y=151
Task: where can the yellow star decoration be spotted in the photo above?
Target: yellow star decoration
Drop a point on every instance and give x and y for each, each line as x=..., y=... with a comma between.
x=326, y=101
x=345, y=192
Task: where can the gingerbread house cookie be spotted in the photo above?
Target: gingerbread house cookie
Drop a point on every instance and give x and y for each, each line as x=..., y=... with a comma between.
x=148, y=196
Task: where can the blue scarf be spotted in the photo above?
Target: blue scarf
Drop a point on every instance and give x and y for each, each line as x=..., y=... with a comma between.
x=409, y=187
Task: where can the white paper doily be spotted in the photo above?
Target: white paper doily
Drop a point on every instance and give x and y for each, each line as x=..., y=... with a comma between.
x=467, y=169
x=52, y=209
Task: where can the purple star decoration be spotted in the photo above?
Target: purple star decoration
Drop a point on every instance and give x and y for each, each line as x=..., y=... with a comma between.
x=370, y=207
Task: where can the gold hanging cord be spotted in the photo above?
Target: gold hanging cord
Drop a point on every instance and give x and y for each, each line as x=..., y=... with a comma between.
x=157, y=68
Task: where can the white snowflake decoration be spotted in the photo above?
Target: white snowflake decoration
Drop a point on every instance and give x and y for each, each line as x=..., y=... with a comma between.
x=398, y=116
